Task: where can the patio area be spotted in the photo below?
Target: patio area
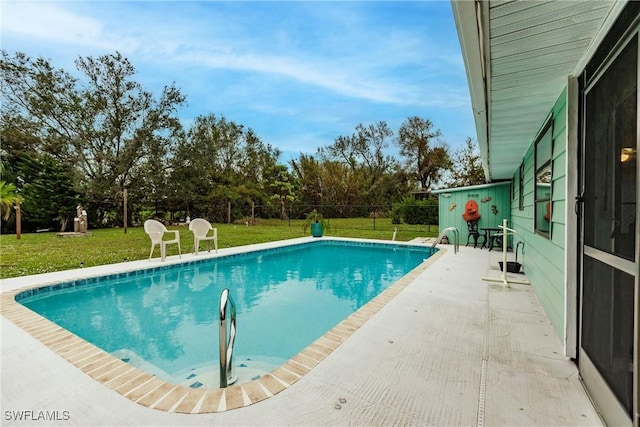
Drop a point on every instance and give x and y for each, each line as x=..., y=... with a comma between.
x=449, y=349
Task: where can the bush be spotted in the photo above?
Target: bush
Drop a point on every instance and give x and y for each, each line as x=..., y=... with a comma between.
x=414, y=211
x=396, y=216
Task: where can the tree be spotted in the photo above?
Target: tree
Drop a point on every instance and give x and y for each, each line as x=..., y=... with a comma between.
x=280, y=184
x=50, y=198
x=364, y=148
x=218, y=161
x=427, y=157
x=363, y=153
x=466, y=168
x=307, y=172
x=18, y=136
x=101, y=125
x=8, y=197
x=117, y=123
x=341, y=189
x=40, y=103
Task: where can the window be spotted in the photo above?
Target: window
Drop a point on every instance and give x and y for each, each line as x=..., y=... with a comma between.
x=542, y=189
x=521, y=187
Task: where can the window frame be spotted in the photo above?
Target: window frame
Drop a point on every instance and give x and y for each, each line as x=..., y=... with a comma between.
x=543, y=166
x=521, y=187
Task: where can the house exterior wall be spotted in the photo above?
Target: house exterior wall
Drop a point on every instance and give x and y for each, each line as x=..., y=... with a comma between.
x=544, y=257
x=451, y=203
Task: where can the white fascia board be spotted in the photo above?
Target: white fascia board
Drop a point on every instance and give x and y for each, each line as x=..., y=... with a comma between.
x=470, y=187
x=471, y=43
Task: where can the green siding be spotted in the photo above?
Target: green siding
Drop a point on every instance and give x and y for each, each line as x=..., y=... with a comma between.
x=452, y=202
x=544, y=258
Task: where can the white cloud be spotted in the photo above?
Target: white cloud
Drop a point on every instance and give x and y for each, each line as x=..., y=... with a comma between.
x=353, y=61
x=316, y=64
x=356, y=80
x=48, y=21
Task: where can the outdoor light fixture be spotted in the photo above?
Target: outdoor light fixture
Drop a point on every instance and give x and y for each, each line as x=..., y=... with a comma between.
x=626, y=154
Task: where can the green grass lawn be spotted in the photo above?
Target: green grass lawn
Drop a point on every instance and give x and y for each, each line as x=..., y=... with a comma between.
x=46, y=252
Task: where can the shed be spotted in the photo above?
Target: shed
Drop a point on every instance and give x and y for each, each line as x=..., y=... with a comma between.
x=494, y=205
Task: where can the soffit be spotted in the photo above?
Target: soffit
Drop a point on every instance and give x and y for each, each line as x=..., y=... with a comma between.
x=533, y=47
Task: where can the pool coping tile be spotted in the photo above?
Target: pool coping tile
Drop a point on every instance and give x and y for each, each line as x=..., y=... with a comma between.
x=313, y=354
x=271, y=383
x=150, y=399
x=190, y=401
x=134, y=384
x=171, y=399
x=254, y=391
x=114, y=373
x=296, y=367
x=305, y=360
x=285, y=375
x=234, y=397
x=107, y=366
x=211, y=401
x=118, y=382
x=144, y=389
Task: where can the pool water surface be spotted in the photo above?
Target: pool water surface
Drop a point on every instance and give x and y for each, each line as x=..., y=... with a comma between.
x=165, y=320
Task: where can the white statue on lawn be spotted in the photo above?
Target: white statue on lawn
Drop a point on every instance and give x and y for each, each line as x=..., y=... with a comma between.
x=80, y=222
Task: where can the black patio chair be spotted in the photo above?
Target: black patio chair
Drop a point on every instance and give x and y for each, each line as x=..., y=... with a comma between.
x=472, y=227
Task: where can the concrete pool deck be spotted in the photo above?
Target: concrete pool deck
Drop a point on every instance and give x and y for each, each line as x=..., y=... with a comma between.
x=449, y=349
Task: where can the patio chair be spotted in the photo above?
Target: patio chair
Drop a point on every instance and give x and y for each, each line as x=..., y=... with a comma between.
x=200, y=228
x=156, y=231
x=472, y=227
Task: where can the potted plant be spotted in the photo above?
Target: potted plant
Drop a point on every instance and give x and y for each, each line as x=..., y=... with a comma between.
x=316, y=222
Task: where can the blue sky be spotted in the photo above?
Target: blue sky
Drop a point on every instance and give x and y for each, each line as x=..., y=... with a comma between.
x=299, y=74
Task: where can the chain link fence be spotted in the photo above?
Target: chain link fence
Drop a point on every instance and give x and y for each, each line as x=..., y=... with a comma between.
x=370, y=217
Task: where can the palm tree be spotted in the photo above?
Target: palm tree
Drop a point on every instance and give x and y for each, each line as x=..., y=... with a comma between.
x=8, y=197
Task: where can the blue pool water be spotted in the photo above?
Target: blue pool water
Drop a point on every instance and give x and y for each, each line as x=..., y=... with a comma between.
x=165, y=320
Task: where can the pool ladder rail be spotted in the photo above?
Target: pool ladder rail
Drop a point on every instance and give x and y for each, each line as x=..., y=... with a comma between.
x=456, y=238
x=226, y=347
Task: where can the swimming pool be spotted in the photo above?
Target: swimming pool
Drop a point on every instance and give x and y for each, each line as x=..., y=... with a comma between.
x=172, y=310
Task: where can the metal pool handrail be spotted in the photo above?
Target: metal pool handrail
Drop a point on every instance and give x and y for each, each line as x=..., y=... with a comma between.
x=456, y=240
x=226, y=347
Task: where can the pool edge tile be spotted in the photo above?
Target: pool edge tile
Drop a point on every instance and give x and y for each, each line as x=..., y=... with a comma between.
x=233, y=397
x=272, y=384
x=156, y=395
x=190, y=401
x=285, y=375
x=254, y=391
x=171, y=399
x=211, y=401
x=144, y=389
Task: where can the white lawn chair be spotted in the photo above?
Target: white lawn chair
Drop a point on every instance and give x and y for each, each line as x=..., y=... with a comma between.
x=200, y=228
x=156, y=230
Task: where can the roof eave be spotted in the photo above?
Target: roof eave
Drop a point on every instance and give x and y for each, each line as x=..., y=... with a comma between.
x=468, y=16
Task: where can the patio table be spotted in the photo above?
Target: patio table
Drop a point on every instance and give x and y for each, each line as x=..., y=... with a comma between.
x=491, y=235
